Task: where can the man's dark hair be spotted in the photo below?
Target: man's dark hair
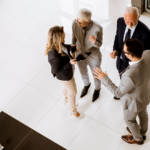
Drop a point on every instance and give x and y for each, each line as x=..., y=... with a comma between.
x=134, y=47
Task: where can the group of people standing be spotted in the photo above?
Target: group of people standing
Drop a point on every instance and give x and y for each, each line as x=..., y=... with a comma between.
x=131, y=39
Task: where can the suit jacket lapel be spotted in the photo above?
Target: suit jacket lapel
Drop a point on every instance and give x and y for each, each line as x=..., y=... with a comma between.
x=123, y=31
x=136, y=32
x=68, y=49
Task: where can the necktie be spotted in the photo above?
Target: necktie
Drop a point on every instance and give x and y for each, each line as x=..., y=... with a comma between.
x=126, y=37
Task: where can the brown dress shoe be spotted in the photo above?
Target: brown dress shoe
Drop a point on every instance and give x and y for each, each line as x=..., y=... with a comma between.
x=129, y=139
x=144, y=137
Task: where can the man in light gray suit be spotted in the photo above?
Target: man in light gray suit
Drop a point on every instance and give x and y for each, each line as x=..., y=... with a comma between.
x=134, y=90
x=88, y=36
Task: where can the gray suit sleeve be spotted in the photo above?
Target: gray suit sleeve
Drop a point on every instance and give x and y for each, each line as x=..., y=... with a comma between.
x=125, y=86
x=99, y=39
x=74, y=40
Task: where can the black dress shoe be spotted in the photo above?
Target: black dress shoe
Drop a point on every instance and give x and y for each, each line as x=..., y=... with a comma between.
x=85, y=90
x=144, y=137
x=116, y=98
x=95, y=95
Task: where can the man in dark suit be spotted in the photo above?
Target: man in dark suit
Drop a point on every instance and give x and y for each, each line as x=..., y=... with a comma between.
x=129, y=27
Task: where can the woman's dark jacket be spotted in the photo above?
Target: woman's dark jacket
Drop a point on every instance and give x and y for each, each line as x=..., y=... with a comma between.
x=60, y=65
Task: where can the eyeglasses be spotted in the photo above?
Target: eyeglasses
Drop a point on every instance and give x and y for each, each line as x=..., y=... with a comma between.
x=80, y=22
x=126, y=52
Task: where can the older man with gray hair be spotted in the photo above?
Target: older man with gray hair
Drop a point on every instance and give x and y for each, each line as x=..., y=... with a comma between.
x=87, y=35
x=129, y=27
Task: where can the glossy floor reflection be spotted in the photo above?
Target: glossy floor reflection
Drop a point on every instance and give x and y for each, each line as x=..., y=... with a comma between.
x=28, y=91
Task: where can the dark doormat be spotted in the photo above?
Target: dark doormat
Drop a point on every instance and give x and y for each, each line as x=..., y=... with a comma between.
x=36, y=141
x=14, y=135
x=12, y=132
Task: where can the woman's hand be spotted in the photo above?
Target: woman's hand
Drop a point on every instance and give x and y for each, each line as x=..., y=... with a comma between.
x=73, y=61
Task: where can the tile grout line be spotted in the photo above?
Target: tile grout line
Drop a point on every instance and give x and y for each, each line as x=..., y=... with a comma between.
x=90, y=118
x=44, y=92
x=44, y=116
x=27, y=84
x=40, y=20
x=106, y=126
x=24, y=45
x=146, y=147
x=14, y=97
x=23, y=139
x=15, y=9
x=120, y=145
x=10, y=21
x=32, y=87
x=78, y=132
x=58, y=101
x=19, y=12
x=14, y=76
x=101, y=105
x=11, y=57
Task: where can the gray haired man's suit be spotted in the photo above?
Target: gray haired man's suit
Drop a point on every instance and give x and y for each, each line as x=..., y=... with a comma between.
x=80, y=37
x=134, y=91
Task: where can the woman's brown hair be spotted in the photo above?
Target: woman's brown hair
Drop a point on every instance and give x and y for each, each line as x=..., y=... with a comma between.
x=54, y=40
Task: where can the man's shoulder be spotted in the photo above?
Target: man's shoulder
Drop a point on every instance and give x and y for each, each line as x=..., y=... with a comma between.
x=131, y=72
x=143, y=27
x=146, y=55
x=96, y=24
x=120, y=20
x=74, y=23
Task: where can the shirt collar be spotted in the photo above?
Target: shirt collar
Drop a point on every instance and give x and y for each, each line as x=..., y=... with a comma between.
x=132, y=63
x=88, y=27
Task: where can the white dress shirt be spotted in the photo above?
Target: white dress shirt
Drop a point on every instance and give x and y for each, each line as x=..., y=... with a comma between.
x=132, y=31
x=132, y=63
x=131, y=34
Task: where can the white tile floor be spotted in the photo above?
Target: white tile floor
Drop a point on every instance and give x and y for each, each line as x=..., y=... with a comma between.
x=28, y=91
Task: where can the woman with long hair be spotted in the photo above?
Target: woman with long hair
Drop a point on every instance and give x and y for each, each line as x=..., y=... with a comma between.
x=62, y=66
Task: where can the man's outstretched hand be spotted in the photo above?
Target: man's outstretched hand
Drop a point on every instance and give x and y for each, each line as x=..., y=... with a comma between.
x=99, y=74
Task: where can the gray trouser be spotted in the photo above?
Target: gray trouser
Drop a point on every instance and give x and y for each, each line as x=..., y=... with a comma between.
x=138, y=131
x=84, y=71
